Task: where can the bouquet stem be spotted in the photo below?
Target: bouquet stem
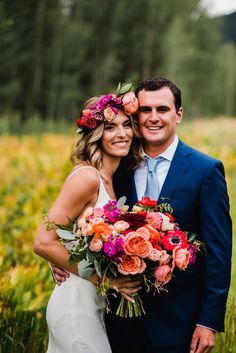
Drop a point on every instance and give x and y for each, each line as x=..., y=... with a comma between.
x=127, y=309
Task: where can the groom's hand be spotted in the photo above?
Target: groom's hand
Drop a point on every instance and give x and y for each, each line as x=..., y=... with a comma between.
x=203, y=340
x=59, y=274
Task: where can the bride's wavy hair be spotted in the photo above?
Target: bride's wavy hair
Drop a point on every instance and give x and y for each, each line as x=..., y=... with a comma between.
x=89, y=147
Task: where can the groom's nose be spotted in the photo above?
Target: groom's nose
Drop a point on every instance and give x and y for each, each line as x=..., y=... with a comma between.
x=154, y=115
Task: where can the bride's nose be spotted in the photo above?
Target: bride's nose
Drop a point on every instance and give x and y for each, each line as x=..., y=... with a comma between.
x=121, y=131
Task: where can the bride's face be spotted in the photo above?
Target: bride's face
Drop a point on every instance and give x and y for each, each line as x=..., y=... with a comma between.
x=117, y=136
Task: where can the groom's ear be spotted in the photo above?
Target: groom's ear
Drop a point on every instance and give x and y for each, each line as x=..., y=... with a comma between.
x=179, y=115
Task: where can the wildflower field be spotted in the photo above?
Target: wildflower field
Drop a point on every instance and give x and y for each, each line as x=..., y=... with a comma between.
x=33, y=168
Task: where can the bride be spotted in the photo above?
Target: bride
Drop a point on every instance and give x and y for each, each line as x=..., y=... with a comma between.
x=75, y=310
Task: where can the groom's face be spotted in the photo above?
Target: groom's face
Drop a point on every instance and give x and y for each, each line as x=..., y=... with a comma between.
x=158, y=118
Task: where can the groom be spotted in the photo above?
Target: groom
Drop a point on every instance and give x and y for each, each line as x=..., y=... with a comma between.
x=185, y=318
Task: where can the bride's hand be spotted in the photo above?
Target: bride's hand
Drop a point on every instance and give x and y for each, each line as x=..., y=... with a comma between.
x=59, y=275
x=126, y=287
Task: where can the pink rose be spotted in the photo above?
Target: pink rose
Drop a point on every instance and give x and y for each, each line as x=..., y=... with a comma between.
x=109, y=114
x=96, y=244
x=163, y=274
x=120, y=226
x=98, y=212
x=86, y=229
x=154, y=219
x=97, y=220
x=155, y=255
x=86, y=112
x=164, y=257
x=130, y=103
x=137, y=244
x=181, y=257
x=131, y=265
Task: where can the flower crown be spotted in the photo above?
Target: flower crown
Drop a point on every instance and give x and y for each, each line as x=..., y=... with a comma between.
x=107, y=107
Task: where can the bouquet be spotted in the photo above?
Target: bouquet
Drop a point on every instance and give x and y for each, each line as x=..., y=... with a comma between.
x=144, y=243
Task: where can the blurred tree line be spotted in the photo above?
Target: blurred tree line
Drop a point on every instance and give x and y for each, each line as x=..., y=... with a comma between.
x=55, y=54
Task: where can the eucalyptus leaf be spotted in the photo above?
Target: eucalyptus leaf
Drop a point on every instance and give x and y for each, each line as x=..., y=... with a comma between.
x=85, y=269
x=125, y=88
x=118, y=88
x=121, y=202
x=65, y=234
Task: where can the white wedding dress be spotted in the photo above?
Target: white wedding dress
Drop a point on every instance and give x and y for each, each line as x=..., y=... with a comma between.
x=75, y=311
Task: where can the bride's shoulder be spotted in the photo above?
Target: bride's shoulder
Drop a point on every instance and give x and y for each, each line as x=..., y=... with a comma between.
x=84, y=172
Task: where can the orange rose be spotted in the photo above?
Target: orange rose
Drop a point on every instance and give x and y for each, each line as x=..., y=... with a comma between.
x=163, y=274
x=144, y=231
x=181, y=257
x=101, y=229
x=130, y=103
x=137, y=244
x=154, y=234
x=131, y=265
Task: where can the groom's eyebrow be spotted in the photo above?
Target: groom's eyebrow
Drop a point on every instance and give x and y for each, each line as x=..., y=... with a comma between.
x=145, y=108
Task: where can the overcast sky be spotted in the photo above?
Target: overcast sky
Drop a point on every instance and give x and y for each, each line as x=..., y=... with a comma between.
x=220, y=7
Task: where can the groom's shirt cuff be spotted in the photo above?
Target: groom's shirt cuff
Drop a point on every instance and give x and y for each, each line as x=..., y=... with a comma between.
x=212, y=329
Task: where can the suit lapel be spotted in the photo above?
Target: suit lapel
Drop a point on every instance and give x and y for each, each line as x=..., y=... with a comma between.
x=178, y=168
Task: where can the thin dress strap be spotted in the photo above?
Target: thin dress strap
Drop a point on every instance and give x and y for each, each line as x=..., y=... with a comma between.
x=103, y=196
x=83, y=167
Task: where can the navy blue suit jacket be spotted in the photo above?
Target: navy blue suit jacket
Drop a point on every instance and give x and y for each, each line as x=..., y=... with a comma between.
x=196, y=189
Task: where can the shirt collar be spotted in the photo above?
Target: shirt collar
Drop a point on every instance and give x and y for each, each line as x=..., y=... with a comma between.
x=169, y=152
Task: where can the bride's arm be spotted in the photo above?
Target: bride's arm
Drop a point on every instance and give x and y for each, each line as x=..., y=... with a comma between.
x=77, y=193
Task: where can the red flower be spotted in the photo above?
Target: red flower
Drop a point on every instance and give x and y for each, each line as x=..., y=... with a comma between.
x=135, y=220
x=147, y=202
x=174, y=238
x=155, y=245
x=80, y=122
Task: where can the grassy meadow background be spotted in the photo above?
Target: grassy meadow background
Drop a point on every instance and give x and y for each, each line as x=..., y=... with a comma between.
x=33, y=168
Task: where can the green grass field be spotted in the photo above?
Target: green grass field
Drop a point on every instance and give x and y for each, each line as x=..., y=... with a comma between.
x=32, y=171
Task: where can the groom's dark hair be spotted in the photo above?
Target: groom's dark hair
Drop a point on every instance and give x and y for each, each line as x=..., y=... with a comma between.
x=156, y=83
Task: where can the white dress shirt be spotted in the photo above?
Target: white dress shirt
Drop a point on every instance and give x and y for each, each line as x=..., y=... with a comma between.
x=140, y=174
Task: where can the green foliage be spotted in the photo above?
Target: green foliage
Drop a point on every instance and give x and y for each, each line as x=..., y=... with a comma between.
x=226, y=342
x=54, y=55
x=32, y=173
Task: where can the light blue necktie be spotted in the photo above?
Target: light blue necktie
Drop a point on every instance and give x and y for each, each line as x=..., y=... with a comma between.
x=152, y=186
